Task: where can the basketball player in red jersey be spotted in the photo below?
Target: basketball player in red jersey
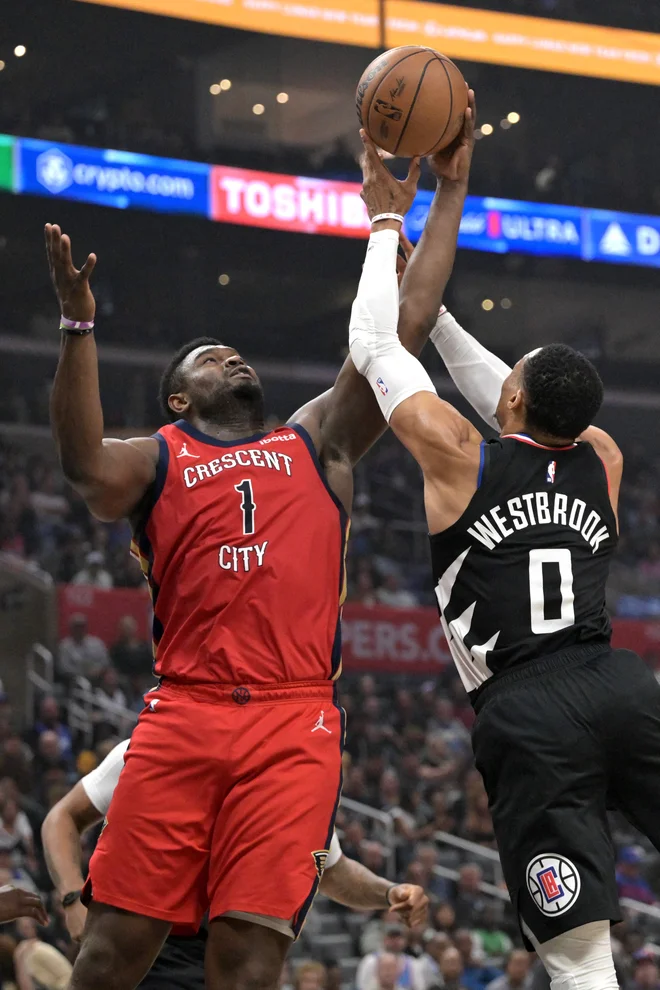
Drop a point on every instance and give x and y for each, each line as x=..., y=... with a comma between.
x=231, y=783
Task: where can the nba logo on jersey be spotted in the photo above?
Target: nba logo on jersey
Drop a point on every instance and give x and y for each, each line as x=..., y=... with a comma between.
x=382, y=386
x=552, y=471
x=554, y=883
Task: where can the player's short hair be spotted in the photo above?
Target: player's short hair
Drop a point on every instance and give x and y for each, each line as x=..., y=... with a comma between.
x=172, y=378
x=563, y=391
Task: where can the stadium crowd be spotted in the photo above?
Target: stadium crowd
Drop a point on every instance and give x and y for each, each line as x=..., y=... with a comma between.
x=43, y=521
x=408, y=755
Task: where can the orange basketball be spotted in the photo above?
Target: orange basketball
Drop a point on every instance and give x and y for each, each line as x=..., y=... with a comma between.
x=412, y=101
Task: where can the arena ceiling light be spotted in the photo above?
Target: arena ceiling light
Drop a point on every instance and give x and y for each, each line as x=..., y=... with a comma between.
x=20, y=51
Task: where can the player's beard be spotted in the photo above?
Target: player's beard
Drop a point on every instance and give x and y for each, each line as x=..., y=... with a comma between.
x=234, y=404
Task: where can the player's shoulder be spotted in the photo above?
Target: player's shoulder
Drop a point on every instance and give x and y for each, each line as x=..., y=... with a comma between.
x=604, y=445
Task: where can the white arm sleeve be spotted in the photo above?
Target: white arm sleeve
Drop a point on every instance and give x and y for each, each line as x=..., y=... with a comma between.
x=377, y=352
x=335, y=853
x=477, y=374
x=99, y=785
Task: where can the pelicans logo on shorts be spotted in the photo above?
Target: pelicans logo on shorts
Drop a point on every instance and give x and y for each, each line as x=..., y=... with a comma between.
x=320, y=857
x=554, y=883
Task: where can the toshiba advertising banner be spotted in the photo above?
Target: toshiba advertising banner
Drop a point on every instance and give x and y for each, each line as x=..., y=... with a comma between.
x=397, y=641
x=287, y=202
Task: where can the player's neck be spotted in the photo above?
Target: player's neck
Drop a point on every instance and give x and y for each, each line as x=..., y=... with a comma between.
x=513, y=426
x=230, y=429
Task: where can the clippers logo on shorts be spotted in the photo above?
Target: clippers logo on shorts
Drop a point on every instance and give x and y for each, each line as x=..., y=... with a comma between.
x=382, y=386
x=554, y=883
x=552, y=471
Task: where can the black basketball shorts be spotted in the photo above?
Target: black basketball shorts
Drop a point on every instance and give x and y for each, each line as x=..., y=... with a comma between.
x=558, y=741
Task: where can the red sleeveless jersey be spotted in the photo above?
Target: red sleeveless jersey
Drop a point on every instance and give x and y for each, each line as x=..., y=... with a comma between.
x=243, y=544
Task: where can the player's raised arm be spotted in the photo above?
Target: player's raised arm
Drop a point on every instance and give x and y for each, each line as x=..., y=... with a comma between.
x=346, y=419
x=111, y=475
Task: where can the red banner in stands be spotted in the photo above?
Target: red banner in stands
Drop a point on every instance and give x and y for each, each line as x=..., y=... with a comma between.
x=375, y=639
x=288, y=202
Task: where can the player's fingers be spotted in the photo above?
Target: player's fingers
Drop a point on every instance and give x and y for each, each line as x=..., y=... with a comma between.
x=88, y=267
x=470, y=114
x=414, y=173
x=65, y=251
x=406, y=246
x=371, y=160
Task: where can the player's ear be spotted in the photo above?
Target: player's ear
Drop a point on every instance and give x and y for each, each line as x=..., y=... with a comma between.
x=516, y=401
x=179, y=403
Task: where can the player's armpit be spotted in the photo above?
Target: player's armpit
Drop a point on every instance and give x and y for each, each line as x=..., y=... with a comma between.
x=118, y=478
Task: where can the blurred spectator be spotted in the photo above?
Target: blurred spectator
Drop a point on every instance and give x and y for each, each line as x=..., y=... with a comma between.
x=629, y=879
x=517, y=974
x=495, y=944
x=108, y=692
x=310, y=976
x=469, y=901
x=131, y=656
x=429, y=963
x=393, y=595
x=38, y=964
x=451, y=970
x=94, y=573
x=388, y=976
x=50, y=719
x=16, y=834
x=408, y=976
x=646, y=974
x=80, y=654
x=476, y=975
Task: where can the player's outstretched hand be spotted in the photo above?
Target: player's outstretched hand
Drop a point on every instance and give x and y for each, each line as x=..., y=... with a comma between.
x=453, y=163
x=411, y=903
x=71, y=284
x=17, y=903
x=381, y=191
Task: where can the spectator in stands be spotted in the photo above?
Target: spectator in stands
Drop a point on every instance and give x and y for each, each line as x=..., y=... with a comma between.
x=394, y=942
x=629, y=879
x=430, y=961
x=476, y=975
x=49, y=719
x=108, y=693
x=451, y=969
x=16, y=835
x=49, y=757
x=131, y=656
x=517, y=974
x=392, y=595
x=444, y=721
x=94, y=573
x=478, y=824
x=37, y=963
x=333, y=975
x=494, y=942
x=387, y=976
x=469, y=902
x=438, y=887
x=444, y=918
x=310, y=976
x=437, y=763
x=80, y=654
x=436, y=818
x=16, y=762
x=646, y=975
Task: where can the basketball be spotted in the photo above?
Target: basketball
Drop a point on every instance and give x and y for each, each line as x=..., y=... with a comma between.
x=412, y=101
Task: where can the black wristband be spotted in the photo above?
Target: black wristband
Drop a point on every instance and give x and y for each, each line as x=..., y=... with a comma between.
x=71, y=898
x=70, y=332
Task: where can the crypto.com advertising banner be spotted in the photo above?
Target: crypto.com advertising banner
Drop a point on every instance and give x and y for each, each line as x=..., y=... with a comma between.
x=287, y=202
x=461, y=32
x=111, y=178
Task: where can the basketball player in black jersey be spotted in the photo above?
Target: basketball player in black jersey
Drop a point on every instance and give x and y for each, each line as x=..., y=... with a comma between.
x=523, y=530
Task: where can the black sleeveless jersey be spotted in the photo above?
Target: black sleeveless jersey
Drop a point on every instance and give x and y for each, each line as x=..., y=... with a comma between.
x=522, y=573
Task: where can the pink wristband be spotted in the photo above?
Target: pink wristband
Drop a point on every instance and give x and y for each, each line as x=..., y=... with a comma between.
x=75, y=324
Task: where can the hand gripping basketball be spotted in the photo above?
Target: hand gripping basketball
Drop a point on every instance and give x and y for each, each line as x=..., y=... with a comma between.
x=381, y=191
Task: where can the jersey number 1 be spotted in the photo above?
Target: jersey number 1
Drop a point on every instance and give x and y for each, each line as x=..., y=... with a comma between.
x=248, y=506
x=561, y=559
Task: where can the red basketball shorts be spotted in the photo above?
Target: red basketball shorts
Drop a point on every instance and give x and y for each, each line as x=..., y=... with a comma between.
x=226, y=804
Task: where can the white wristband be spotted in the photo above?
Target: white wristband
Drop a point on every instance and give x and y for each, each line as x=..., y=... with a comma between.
x=387, y=216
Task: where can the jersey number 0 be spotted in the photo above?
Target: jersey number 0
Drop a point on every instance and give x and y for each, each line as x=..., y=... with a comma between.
x=248, y=506
x=561, y=559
